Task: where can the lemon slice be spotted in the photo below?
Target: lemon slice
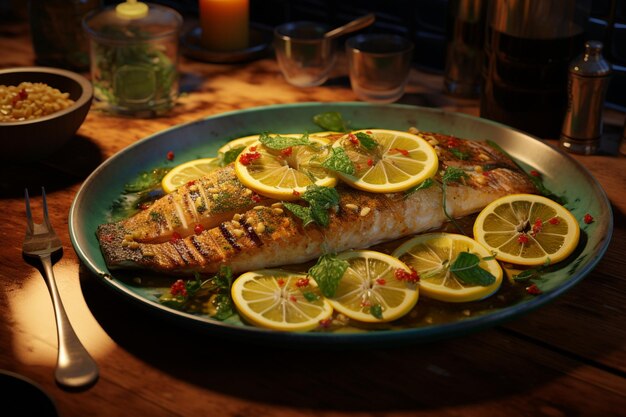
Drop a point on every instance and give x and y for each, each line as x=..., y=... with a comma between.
x=372, y=289
x=432, y=255
x=189, y=171
x=400, y=161
x=239, y=143
x=280, y=300
x=284, y=174
x=527, y=229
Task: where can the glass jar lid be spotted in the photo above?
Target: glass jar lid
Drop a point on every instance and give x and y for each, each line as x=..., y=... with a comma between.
x=133, y=21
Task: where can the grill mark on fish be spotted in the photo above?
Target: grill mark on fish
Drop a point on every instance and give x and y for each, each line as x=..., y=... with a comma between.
x=200, y=248
x=229, y=237
x=250, y=232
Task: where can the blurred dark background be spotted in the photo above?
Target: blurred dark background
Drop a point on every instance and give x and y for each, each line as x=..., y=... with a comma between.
x=423, y=21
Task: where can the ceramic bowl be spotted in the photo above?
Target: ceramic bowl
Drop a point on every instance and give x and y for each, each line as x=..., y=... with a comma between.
x=37, y=138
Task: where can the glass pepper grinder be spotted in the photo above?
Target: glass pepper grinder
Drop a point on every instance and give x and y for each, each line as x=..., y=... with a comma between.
x=589, y=77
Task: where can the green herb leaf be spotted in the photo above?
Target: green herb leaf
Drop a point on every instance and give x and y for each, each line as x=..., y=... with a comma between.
x=231, y=155
x=377, y=311
x=303, y=213
x=310, y=296
x=331, y=120
x=366, y=141
x=323, y=197
x=459, y=154
x=467, y=269
x=452, y=174
x=146, y=180
x=428, y=182
x=223, y=306
x=327, y=273
x=279, y=142
x=339, y=161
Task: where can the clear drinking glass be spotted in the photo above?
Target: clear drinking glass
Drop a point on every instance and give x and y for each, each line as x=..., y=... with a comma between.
x=379, y=66
x=304, y=56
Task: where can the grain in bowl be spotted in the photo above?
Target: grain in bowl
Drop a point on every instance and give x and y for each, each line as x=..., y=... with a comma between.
x=28, y=101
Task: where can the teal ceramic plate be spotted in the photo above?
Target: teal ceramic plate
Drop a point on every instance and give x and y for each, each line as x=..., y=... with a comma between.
x=562, y=175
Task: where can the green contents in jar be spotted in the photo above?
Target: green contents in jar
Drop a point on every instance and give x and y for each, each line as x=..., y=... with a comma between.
x=134, y=76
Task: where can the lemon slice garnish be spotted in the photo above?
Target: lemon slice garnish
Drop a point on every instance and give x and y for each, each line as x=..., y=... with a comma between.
x=280, y=300
x=189, y=171
x=432, y=254
x=372, y=289
x=400, y=160
x=527, y=229
x=284, y=174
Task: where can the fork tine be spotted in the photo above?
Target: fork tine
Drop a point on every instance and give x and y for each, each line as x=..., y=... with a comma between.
x=46, y=219
x=29, y=215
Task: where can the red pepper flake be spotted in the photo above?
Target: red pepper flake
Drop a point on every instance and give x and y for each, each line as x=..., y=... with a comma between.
x=170, y=156
x=247, y=158
x=370, y=162
x=198, y=229
x=554, y=220
x=369, y=132
x=190, y=183
x=178, y=288
x=403, y=275
x=256, y=198
x=175, y=237
x=537, y=227
x=453, y=143
x=402, y=151
x=287, y=151
x=588, y=218
x=533, y=289
x=252, y=148
x=294, y=192
x=302, y=282
x=522, y=238
x=280, y=282
x=381, y=281
x=366, y=303
x=325, y=323
x=535, y=173
x=353, y=139
x=293, y=298
x=487, y=173
x=23, y=95
x=144, y=206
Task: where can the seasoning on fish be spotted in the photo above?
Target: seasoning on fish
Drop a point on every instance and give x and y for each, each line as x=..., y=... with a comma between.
x=247, y=235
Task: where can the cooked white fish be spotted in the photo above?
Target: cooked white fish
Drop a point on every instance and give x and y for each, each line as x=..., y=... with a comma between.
x=251, y=233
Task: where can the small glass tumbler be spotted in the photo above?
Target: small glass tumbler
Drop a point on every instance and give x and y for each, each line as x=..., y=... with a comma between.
x=379, y=66
x=304, y=55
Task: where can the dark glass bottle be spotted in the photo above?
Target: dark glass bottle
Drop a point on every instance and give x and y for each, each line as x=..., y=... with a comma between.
x=57, y=33
x=528, y=47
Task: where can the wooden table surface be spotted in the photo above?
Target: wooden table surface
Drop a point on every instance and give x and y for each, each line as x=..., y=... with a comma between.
x=567, y=358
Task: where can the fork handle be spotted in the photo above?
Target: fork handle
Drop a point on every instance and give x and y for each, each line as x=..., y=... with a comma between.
x=75, y=367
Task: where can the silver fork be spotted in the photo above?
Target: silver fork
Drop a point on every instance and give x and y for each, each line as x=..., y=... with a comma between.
x=75, y=367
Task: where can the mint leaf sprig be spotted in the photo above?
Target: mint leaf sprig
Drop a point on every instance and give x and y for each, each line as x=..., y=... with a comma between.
x=467, y=269
x=321, y=200
x=331, y=120
x=339, y=161
x=279, y=142
x=366, y=141
x=327, y=273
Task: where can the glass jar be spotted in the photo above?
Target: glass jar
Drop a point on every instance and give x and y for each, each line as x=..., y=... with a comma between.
x=134, y=58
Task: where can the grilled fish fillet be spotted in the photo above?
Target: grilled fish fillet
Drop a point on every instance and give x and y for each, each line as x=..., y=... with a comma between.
x=248, y=235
